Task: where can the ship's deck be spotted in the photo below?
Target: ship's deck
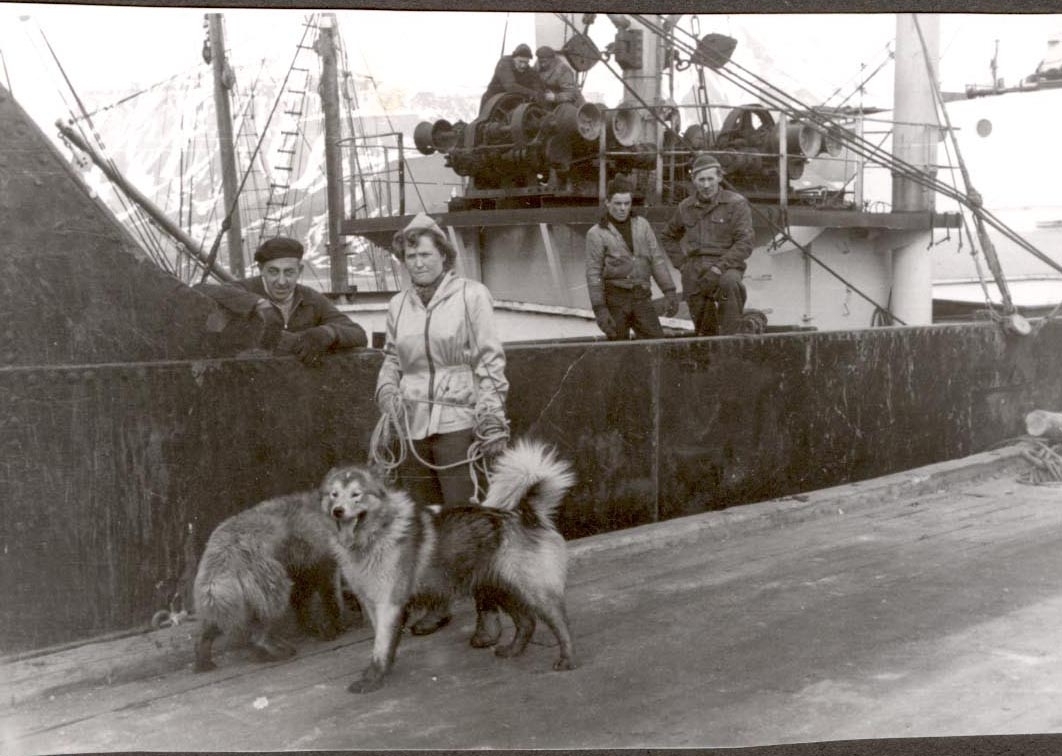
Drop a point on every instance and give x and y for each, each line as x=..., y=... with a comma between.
x=890, y=608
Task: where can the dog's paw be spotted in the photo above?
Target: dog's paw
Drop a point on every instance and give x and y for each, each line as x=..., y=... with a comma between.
x=279, y=653
x=204, y=665
x=564, y=663
x=506, y=652
x=429, y=623
x=366, y=684
x=482, y=640
x=329, y=632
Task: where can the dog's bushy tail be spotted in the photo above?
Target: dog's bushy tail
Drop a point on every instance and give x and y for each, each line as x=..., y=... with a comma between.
x=530, y=479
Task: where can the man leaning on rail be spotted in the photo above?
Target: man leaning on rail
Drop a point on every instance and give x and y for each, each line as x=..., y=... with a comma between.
x=295, y=319
x=708, y=239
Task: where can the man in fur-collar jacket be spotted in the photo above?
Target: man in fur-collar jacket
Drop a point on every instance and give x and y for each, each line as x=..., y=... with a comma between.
x=621, y=255
x=514, y=74
x=708, y=239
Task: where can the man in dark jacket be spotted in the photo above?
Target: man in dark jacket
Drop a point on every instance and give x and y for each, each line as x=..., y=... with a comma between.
x=708, y=239
x=513, y=73
x=621, y=255
x=297, y=319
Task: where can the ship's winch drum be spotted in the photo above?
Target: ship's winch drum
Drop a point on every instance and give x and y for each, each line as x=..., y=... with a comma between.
x=803, y=140
x=625, y=124
x=422, y=138
x=443, y=136
x=832, y=144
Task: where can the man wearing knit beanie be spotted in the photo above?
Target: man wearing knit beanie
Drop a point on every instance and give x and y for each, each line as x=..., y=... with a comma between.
x=291, y=318
x=708, y=239
x=514, y=74
x=621, y=255
x=558, y=77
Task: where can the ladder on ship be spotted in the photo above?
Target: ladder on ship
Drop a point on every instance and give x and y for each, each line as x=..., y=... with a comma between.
x=276, y=216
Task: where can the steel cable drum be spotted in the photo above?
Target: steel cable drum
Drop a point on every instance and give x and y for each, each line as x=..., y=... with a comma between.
x=625, y=124
x=525, y=123
x=801, y=139
x=443, y=135
x=422, y=138
x=833, y=141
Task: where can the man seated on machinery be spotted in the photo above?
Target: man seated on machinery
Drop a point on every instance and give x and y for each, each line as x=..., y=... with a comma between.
x=514, y=74
x=558, y=77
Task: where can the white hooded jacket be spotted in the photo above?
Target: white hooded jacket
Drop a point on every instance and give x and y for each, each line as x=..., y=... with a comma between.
x=446, y=359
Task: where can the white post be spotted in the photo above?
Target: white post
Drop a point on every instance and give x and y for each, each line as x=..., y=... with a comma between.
x=914, y=140
x=783, y=160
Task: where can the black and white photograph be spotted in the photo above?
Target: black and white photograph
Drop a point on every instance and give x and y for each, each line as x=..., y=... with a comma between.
x=438, y=378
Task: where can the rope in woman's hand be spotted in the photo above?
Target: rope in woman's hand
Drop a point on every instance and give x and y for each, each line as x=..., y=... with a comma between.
x=390, y=442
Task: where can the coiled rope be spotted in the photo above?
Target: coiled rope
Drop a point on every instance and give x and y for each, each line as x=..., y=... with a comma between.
x=1045, y=461
x=391, y=442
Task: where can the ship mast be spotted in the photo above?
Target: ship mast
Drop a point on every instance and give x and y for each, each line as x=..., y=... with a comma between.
x=914, y=141
x=326, y=48
x=223, y=81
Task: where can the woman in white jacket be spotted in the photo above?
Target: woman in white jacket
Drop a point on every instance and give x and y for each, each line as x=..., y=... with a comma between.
x=443, y=375
x=442, y=387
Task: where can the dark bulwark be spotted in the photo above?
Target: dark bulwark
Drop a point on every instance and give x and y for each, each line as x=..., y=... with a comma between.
x=126, y=437
x=114, y=475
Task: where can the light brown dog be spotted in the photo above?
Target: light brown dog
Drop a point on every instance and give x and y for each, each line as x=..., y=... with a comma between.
x=507, y=554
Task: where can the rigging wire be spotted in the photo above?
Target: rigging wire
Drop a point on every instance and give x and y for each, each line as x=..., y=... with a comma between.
x=391, y=127
x=225, y=222
x=858, y=88
x=7, y=73
x=350, y=99
x=134, y=95
x=782, y=100
x=246, y=133
x=986, y=242
x=140, y=225
x=962, y=213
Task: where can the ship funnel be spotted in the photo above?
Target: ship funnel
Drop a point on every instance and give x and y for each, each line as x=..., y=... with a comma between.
x=443, y=136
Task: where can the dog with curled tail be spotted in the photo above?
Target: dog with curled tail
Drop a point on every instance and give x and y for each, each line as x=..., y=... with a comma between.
x=506, y=554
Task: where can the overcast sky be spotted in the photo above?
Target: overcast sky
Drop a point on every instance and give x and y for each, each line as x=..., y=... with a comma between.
x=120, y=47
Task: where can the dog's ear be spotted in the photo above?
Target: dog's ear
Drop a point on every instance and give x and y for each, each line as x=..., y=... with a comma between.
x=379, y=475
x=326, y=481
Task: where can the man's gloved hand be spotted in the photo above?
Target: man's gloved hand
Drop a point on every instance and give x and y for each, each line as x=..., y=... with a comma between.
x=272, y=324
x=312, y=343
x=389, y=401
x=710, y=280
x=605, y=321
x=494, y=447
x=671, y=304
